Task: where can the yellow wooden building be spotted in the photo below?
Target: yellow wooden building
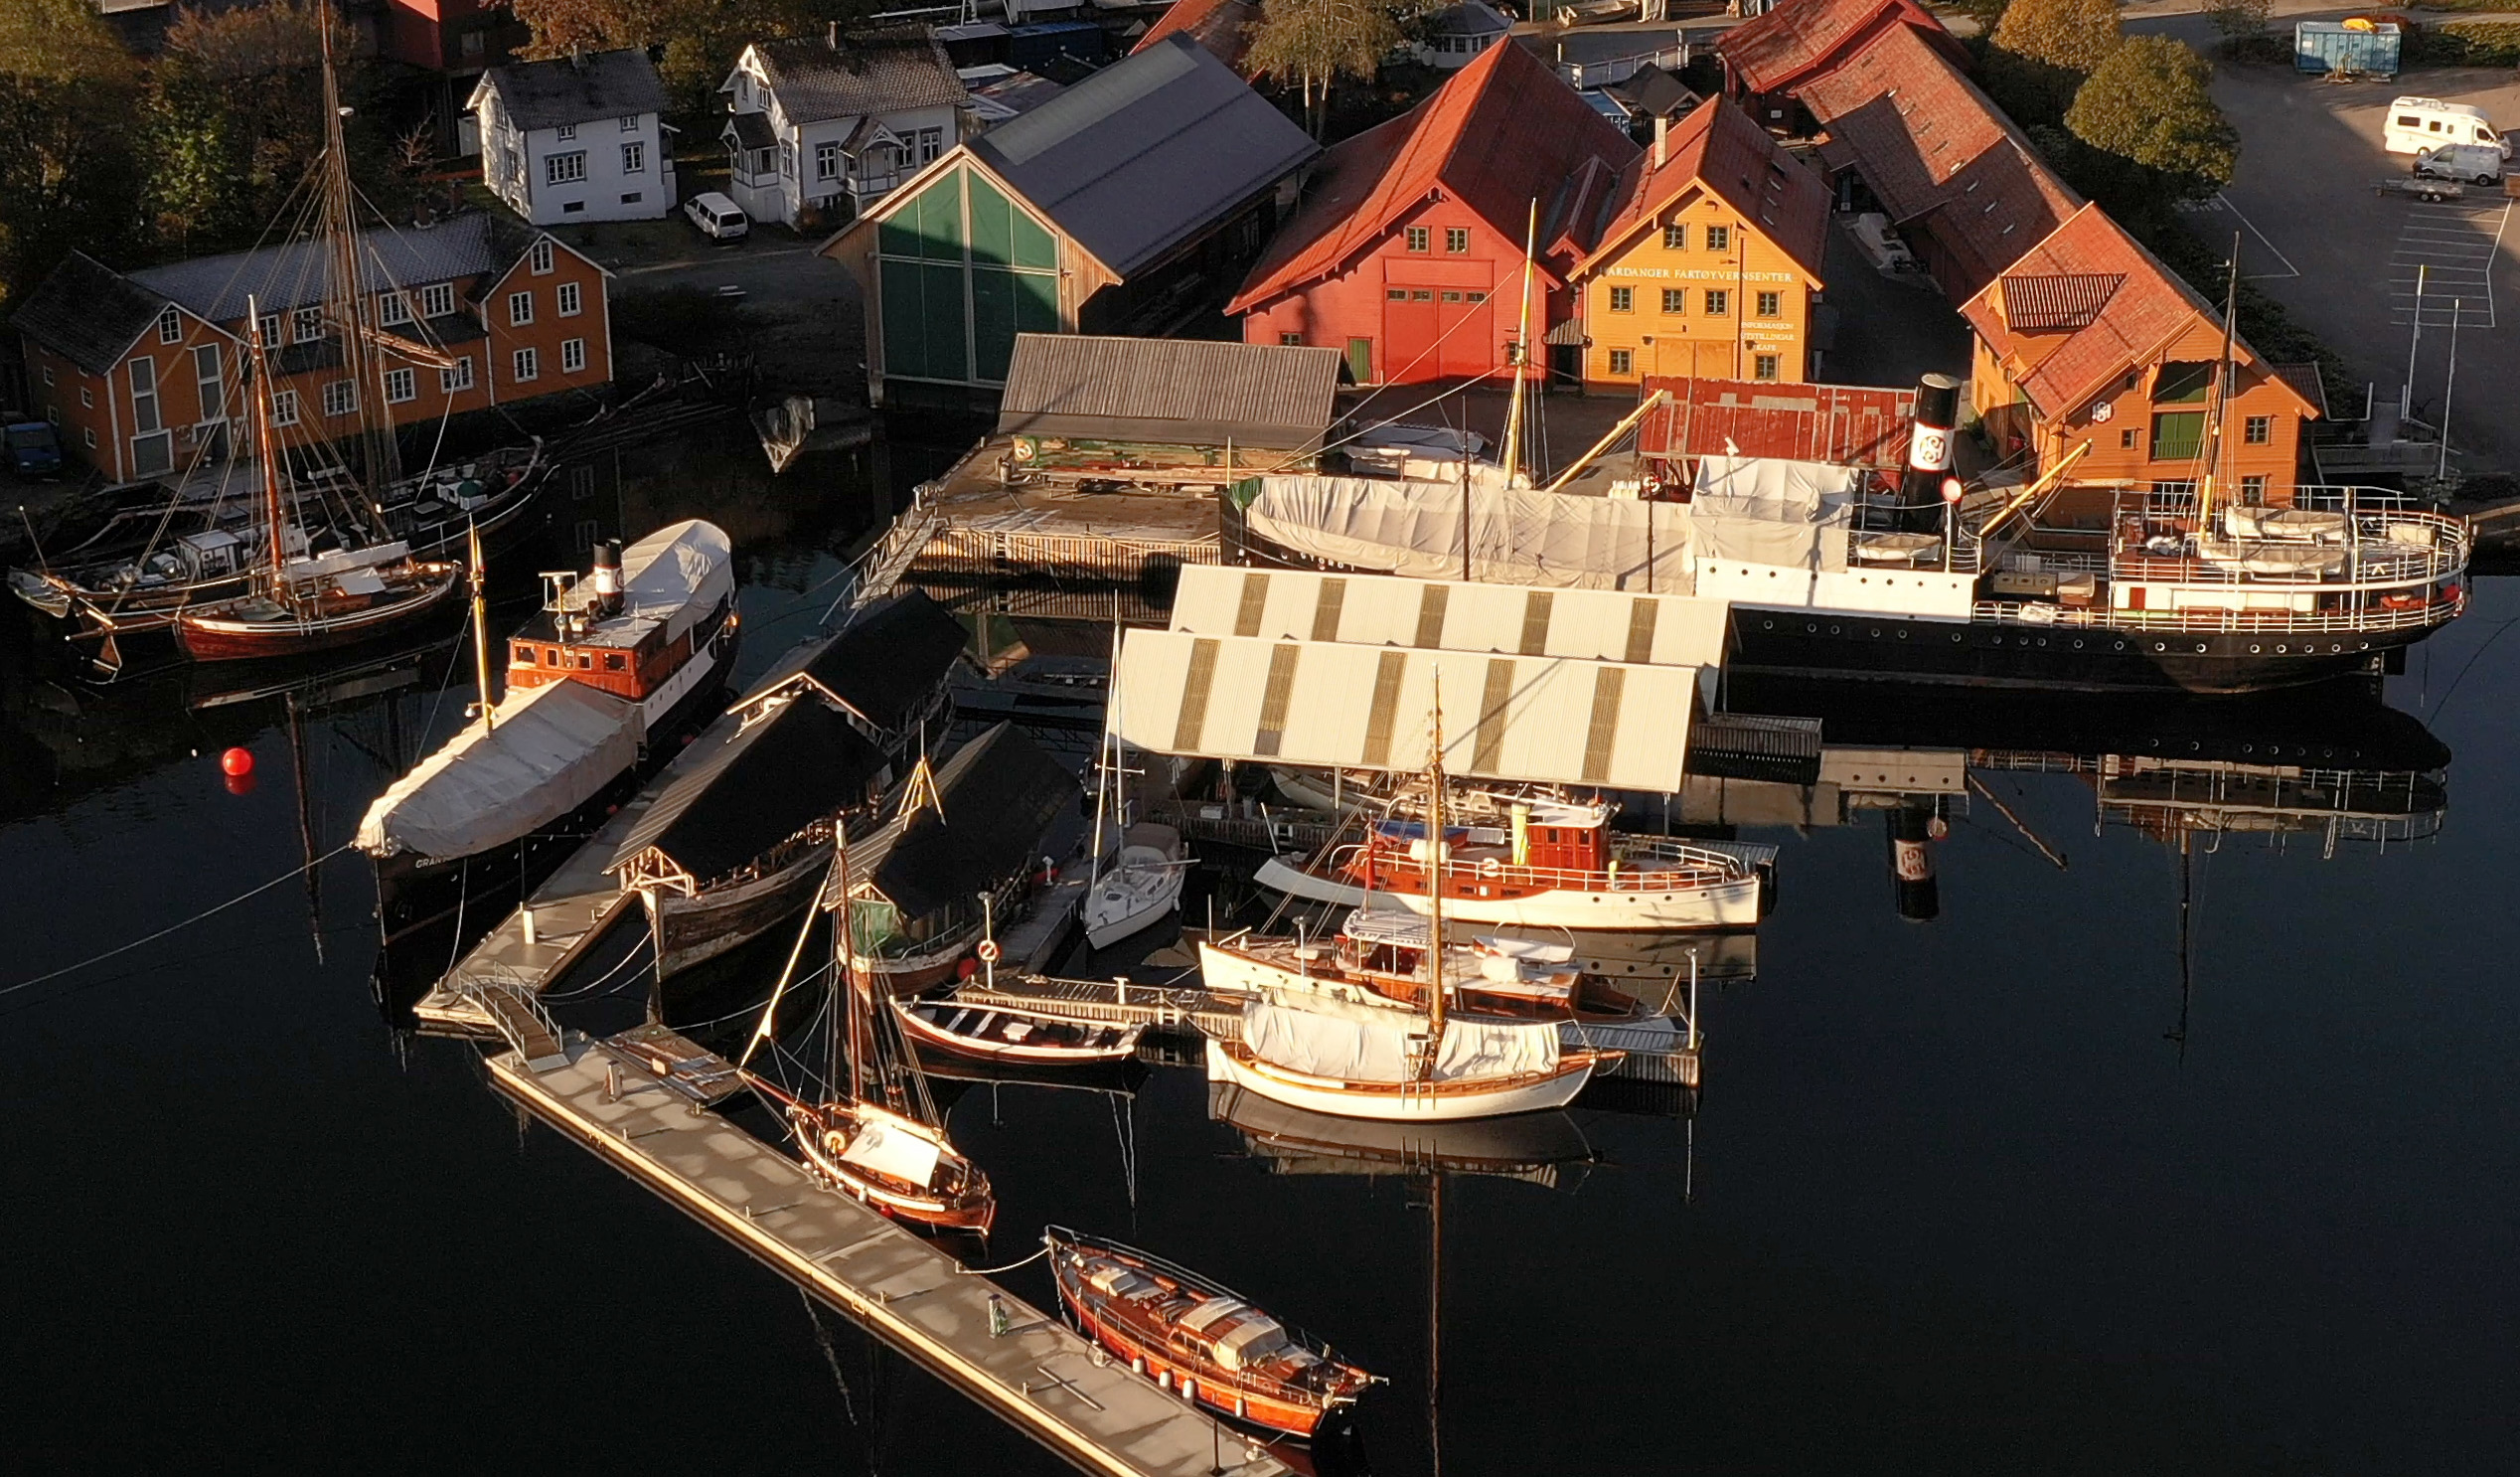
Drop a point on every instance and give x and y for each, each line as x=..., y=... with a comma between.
x=1709, y=263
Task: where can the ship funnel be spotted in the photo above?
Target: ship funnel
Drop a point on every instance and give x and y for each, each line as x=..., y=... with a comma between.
x=1929, y=452
x=1920, y=897
x=607, y=576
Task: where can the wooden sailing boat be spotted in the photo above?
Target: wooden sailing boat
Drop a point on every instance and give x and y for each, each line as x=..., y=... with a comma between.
x=893, y=1155
x=296, y=605
x=1368, y=1061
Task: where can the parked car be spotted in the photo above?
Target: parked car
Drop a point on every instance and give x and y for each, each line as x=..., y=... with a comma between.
x=2415, y=125
x=35, y=450
x=717, y=218
x=2471, y=162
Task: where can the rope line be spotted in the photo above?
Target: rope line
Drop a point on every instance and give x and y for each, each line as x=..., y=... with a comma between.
x=990, y=1271
x=292, y=874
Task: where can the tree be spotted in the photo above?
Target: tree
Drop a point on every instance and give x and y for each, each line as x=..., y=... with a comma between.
x=2240, y=20
x=2153, y=103
x=2076, y=34
x=700, y=39
x=1312, y=43
x=69, y=177
x=236, y=121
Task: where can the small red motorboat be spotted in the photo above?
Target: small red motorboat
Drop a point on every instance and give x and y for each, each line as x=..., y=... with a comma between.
x=1195, y=1337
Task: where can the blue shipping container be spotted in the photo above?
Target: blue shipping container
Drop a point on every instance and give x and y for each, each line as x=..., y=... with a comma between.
x=2328, y=46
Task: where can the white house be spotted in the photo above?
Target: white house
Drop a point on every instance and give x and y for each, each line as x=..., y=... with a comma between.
x=1458, y=33
x=826, y=125
x=576, y=138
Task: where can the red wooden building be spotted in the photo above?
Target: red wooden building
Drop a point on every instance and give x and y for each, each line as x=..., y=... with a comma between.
x=1769, y=59
x=1407, y=254
x=1850, y=424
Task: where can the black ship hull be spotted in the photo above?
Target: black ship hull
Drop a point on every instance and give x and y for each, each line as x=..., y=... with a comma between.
x=1907, y=649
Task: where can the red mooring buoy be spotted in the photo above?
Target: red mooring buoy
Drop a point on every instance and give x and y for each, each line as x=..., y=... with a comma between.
x=238, y=762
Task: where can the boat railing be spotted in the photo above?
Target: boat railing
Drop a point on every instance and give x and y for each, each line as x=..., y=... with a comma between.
x=2377, y=618
x=1702, y=870
x=2381, y=541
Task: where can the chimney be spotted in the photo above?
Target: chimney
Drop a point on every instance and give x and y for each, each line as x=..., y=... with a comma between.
x=1662, y=141
x=831, y=36
x=576, y=57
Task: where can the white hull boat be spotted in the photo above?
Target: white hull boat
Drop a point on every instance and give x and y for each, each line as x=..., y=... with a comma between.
x=1142, y=886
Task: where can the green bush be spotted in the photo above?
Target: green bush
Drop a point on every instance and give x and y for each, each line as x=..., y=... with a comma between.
x=2465, y=44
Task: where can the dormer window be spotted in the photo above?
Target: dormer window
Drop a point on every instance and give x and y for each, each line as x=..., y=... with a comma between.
x=566, y=131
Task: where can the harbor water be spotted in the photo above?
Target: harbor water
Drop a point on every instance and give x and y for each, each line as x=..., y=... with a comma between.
x=2195, y=1153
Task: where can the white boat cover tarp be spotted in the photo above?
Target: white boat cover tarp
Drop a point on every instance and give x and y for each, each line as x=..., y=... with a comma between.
x=552, y=748
x=1371, y=1043
x=683, y=568
x=893, y=1149
x=1765, y=510
x=1518, y=536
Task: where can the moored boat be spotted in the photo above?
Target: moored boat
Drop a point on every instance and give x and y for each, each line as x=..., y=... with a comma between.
x=1191, y=1333
x=895, y=1164
x=1011, y=1034
x=1380, y=956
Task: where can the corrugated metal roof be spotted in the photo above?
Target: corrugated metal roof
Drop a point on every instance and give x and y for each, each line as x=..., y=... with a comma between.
x=1549, y=719
x=1145, y=153
x=579, y=89
x=2033, y=304
x=88, y=311
x=293, y=274
x=1382, y=610
x=1174, y=391
x=1849, y=424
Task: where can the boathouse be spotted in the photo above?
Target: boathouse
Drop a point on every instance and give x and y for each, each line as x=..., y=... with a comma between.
x=1074, y=402
x=1406, y=254
x=1709, y=263
x=1129, y=204
x=2089, y=340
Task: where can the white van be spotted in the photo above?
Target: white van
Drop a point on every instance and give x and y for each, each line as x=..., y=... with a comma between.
x=717, y=216
x=2415, y=125
x=2467, y=163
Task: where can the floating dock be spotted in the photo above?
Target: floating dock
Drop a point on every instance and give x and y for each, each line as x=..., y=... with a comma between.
x=1035, y=1375
x=504, y=975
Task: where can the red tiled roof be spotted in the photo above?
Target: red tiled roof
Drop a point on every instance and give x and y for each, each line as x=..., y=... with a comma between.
x=1222, y=26
x=1502, y=132
x=2307, y=380
x=1724, y=149
x=1934, y=147
x=2043, y=303
x=2061, y=369
x=1773, y=51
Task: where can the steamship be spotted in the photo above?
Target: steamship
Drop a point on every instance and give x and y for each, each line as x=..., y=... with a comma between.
x=1829, y=571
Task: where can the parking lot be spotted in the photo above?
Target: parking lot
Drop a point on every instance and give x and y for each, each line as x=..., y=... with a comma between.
x=2348, y=262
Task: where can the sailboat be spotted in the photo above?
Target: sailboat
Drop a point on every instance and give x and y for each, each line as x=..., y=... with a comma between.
x=1143, y=881
x=294, y=604
x=893, y=1155
x=1360, y=1059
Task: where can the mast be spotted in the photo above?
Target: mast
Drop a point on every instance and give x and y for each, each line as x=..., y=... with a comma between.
x=344, y=302
x=481, y=624
x=265, y=446
x=1102, y=781
x=2222, y=394
x=1521, y=354
x=845, y=986
x=1435, y=888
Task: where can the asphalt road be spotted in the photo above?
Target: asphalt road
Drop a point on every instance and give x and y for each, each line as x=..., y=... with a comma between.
x=2346, y=261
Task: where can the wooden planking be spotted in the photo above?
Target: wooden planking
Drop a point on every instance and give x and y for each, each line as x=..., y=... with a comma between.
x=1039, y=1377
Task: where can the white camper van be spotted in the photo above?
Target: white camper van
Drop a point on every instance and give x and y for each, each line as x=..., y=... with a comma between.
x=2415, y=125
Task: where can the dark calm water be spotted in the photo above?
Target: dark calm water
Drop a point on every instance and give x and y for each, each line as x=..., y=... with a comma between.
x=1954, y=1198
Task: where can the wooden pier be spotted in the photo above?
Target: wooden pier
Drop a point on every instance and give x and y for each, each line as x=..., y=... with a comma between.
x=500, y=982
x=1023, y=1364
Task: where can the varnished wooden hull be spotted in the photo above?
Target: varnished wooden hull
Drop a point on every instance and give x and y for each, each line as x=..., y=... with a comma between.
x=213, y=636
x=929, y=1035
x=973, y=1211
x=694, y=931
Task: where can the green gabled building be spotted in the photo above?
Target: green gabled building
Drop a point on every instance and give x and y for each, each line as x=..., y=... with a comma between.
x=1131, y=203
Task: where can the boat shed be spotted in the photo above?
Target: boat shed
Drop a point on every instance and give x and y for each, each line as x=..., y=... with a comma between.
x=1854, y=424
x=1130, y=202
x=992, y=802
x=888, y=670
x=1080, y=402
x=751, y=789
x=1388, y=611
x=1545, y=719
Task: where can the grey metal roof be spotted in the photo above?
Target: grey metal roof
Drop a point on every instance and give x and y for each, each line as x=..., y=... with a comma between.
x=1172, y=390
x=90, y=312
x=1145, y=153
x=574, y=89
x=1471, y=18
x=882, y=72
x=291, y=274
x=751, y=131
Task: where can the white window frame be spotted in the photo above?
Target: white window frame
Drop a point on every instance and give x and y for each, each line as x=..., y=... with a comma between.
x=572, y=355
x=437, y=300
x=284, y=408
x=211, y=377
x=145, y=417
x=393, y=310
x=268, y=328
x=566, y=131
x=521, y=308
x=565, y=169
x=306, y=325
x=449, y=381
x=931, y=144
x=630, y=122
x=634, y=157
x=539, y=259
x=826, y=160
x=570, y=302
x=525, y=366
x=401, y=386
x=340, y=398
x=171, y=325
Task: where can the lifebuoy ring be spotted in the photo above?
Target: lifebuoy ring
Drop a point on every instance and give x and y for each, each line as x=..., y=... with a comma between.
x=1490, y=867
